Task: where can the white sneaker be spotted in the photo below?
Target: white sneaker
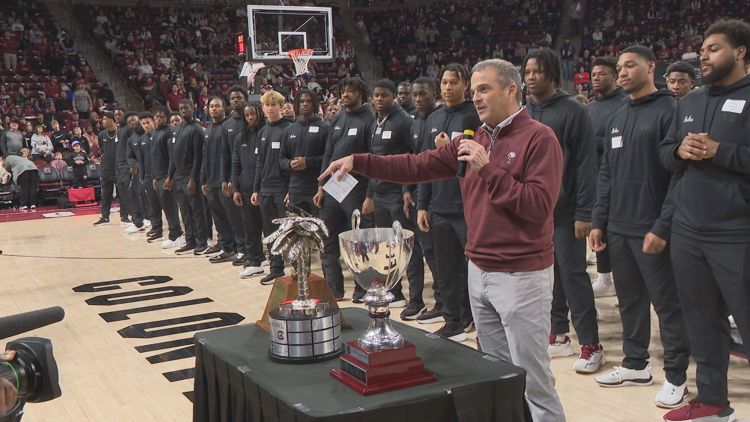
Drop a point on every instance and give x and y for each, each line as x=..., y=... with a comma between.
x=125, y=223
x=33, y=207
x=671, y=396
x=133, y=229
x=251, y=271
x=557, y=349
x=23, y=208
x=620, y=376
x=170, y=244
x=591, y=260
x=147, y=223
x=590, y=359
x=603, y=286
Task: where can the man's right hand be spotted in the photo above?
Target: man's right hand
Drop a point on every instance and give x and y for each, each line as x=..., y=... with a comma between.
x=168, y=183
x=691, y=149
x=423, y=222
x=318, y=198
x=254, y=199
x=153, y=183
x=133, y=171
x=596, y=240
x=345, y=164
x=204, y=189
x=408, y=203
x=368, y=206
x=8, y=392
x=237, y=198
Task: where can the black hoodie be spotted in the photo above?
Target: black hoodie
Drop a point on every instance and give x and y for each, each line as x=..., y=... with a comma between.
x=349, y=134
x=390, y=137
x=213, y=144
x=269, y=176
x=244, y=160
x=157, y=151
x=124, y=132
x=600, y=112
x=108, y=146
x=444, y=196
x=187, y=152
x=418, y=129
x=233, y=126
x=304, y=139
x=712, y=196
x=573, y=128
x=632, y=183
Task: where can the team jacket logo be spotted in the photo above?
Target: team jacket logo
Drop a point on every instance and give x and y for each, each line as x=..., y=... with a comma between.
x=688, y=119
x=511, y=155
x=433, y=130
x=615, y=130
x=292, y=136
x=337, y=128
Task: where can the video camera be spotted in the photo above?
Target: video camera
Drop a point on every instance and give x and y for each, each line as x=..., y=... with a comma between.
x=33, y=369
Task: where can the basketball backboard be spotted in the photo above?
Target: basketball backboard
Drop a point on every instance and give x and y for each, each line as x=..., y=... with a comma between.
x=274, y=30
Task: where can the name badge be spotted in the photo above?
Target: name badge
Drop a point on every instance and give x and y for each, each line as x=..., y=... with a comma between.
x=256, y=150
x=378, y=130
x=243, y=145
x=454, y=134
x=616, y=142
x=314, y=129
x=275, y=145
x=733, y=106
x=352, y=132
x=387, y=134
x=117, y=140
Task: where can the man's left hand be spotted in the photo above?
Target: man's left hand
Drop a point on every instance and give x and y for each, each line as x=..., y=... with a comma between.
x=298, y=164
x=653, y=244
x=582, y=228
x=711, y=145
x=473, y=153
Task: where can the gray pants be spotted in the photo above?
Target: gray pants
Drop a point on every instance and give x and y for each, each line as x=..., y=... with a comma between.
x=642, y=279
x=511, y=313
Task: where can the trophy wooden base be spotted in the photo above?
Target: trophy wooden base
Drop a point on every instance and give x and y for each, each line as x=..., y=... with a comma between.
x=369, y=372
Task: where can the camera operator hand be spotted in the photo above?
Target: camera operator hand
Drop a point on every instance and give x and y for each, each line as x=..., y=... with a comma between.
x=8, y=392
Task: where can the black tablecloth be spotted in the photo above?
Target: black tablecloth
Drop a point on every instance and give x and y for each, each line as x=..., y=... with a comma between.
x=236, y=381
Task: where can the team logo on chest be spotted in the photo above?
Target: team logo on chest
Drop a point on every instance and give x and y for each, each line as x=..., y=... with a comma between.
x=511, y=155
x=615, y=130
x=688, y=119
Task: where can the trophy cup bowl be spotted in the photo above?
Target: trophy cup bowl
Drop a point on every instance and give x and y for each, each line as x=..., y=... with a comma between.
x=380, y=360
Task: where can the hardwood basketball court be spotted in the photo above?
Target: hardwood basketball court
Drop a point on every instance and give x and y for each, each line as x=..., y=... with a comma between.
x=137, y=367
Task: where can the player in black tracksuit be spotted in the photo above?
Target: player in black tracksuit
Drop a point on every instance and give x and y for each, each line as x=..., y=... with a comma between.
x=572, y=214
x=124, y=132
x=151, y=198
x=233, y=127
x=135, y=163
x=349, y=134
x=610, y=98
x=215, y=139
x=631, y=188
x=244, y=161
x=271, y=182
x=302, y=150
x=390, y=135
x=443, y=201
x=108, y=141
x=709, y=149
x=158, y=160
x=184, y=177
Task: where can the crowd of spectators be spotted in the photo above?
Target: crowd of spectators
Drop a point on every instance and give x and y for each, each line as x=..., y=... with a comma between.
x=418, y=40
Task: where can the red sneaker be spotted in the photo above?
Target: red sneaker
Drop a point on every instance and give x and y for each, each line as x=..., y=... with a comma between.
x=696, y=411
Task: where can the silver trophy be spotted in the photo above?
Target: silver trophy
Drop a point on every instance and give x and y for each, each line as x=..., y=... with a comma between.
x=305, y=329
x=377, y=259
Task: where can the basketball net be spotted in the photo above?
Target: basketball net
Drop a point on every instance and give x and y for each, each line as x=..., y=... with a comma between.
x=301, y=57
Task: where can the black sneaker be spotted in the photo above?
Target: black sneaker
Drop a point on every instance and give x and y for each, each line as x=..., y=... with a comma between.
x=359, y=295
x=213, y=251
x=239, y=259
x=468, y=325
x=270, y=278
x=430, y=316
x=102, y=222
x=221, y=257
x=200, y=249
x=452, y=331
x=412, y=310
x=154, y=237
x=189, y=247
x=399, y=301
x=125, y=221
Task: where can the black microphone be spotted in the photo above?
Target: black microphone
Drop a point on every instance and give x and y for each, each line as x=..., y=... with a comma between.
x=469, y=123
x=27, y=321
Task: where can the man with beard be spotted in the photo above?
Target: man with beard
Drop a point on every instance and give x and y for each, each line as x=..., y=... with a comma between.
x=349, y=133
x=405, y=100
x=184, y=176
x=423, y=96
x=390, y=135
x=108, y=141
x=211, y=180
x=271, y=183
x=158, y=153
x=301, y=155
x=124, y=132
x=631, y=211
x=233, y=126
x=572, y=126
x=708, y=148
x=680, y=78
x=443, y=200
x=135, y=164
x=609, y=99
